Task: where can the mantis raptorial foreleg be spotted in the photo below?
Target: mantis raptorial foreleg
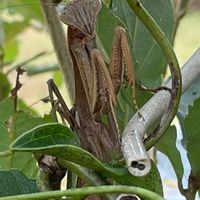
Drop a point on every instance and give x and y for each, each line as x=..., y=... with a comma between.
x=103, y=87
x=121, y=62
x=104, y=91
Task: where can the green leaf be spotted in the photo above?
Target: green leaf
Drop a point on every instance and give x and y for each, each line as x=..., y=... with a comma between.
x=189, y=96
x=107, y=2
x=12, y=29
x=26, y=122
x=58, y=78
x=28, y=9
x=106, y=25
x=125, y=106
x=147, y=54
x=167, y=145
x=46, y=135
x=23, y=123
x=7, y=109
x=192, y=137
x=13, y=182
x=57, y=143
x=11, y=49
x=192, y=93
x=4, y=86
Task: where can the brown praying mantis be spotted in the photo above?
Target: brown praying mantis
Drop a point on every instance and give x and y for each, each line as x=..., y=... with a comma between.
x=101, y=84
x=96, y=84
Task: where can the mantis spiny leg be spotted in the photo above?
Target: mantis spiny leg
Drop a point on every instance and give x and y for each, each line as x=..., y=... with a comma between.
x=103, y=87
x=121, y=57
x=104, y=90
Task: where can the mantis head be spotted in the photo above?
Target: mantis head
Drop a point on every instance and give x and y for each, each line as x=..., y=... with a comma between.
x=81, y=15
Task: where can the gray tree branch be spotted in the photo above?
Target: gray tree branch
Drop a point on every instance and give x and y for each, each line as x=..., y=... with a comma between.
x=133, y=148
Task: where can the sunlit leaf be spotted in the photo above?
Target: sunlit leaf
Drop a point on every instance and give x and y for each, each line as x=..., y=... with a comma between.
x=28, y=9
x=11, y=49
x=11, y=29
x=58, y=78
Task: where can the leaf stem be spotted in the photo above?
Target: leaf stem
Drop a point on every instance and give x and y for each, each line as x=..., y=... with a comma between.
x=169, y=53
x=82, y=192
x=60, y=45
x=38, y=55
x=88, y=175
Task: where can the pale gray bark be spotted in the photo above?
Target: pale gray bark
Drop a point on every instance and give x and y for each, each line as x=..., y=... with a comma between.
x=132, y=140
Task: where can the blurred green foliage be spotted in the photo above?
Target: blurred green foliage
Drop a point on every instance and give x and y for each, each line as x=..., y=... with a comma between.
x=149, y=62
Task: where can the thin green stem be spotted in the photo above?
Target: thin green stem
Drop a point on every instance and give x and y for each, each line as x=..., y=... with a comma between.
x=32, y=70
x=28, y=61
x=88, y=175
x=168, y=51
x=83, y=192
x=6, y=153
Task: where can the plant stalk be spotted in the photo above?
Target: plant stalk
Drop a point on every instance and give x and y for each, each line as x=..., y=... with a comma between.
x=82, y=192
x=60, y=46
